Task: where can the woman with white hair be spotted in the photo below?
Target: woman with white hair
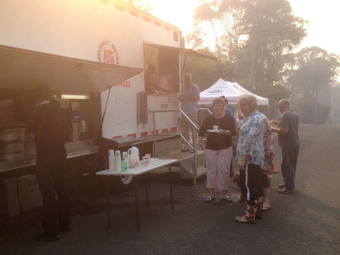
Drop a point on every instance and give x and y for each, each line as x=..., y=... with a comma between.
x=250, y=156
x=218, y=151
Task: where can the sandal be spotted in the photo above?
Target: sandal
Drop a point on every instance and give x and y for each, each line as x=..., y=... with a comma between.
x=209, y=199
x=266, y=208
x=227, y=199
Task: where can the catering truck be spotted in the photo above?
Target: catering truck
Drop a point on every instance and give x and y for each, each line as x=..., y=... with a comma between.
x=107, y=63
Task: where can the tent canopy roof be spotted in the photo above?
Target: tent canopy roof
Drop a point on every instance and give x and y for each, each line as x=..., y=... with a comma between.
x=231, y=90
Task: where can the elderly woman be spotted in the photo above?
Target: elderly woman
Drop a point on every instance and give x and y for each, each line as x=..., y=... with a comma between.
x=218, y=151
x=250, y=155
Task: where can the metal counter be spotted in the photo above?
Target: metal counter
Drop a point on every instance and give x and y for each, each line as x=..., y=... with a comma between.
x=74, y=149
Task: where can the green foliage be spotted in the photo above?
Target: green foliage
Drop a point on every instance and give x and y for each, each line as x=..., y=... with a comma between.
x=206, y=72
x=273, y=92
x=311, y=71
x=270, y=24
x=306, y=108
x=144, y=5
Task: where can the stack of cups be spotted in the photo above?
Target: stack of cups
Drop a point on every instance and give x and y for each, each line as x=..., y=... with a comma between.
x=118, y=161
x=111, y=161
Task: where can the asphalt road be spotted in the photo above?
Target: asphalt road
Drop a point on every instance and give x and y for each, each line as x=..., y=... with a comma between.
x=306, y=222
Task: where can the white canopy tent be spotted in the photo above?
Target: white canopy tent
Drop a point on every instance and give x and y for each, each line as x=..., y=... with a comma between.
x=231, y=90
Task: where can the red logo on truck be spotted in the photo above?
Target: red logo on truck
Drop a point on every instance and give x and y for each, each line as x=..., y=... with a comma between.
x=107, y=53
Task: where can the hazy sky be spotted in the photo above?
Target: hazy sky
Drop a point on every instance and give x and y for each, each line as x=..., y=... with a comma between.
x=322, y=15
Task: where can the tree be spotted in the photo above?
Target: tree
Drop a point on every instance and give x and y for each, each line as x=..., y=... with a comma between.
x=310, y=71
x=144, y=5
x=206, y=72
x=270, y=25
x=310, y=74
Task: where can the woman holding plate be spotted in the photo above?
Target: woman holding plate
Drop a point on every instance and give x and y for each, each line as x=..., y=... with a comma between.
x=218, y=152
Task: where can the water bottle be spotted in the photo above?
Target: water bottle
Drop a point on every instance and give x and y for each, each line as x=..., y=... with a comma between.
x=118, y=161
x=133, y=154
x=111, y=160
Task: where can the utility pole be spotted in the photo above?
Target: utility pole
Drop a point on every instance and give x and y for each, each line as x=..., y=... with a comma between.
x=316, y=102
x=253, y=60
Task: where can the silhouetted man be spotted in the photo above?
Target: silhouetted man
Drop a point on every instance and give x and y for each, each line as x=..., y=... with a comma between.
x=289, y=143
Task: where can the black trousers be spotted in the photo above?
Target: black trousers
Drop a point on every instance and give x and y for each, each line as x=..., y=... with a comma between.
x=56, y=200
x=250, y=181
x=288, y=165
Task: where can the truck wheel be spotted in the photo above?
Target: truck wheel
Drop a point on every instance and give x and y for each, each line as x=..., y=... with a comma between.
x=121, y=183
x=126, y=179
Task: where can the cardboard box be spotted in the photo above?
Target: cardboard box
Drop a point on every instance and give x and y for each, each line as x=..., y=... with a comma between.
x=29, y=191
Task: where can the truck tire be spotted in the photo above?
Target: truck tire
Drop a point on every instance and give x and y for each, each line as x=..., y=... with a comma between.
x=120, y=183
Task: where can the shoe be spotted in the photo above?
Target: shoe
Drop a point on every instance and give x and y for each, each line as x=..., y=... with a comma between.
x=266, y=208
x=282, y=185
x=244, y=219
x=259, y=208
x=227, y=199
x=65, y=229
x=275, y=171
x=43, y=237
x=249, y=215
x=286, y=191
x=209, y=199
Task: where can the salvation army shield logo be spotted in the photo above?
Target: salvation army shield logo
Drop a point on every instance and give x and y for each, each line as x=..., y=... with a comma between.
x=107, y=53
x=108, y=57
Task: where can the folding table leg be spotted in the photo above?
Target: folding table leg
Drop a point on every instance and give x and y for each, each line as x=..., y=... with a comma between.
x=172, y=202
x=108, y=202
x=146, y=194
x=136, y=199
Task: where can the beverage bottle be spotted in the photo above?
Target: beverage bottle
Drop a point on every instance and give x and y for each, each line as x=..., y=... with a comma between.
x=111, y=161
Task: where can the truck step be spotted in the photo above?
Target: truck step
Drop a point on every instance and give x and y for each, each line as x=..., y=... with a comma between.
x=185, y=174
x=185, y=162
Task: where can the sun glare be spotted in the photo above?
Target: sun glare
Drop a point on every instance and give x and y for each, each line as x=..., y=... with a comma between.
x=176, y=12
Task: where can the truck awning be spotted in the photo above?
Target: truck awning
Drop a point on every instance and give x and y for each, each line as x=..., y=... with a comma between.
x=187, y=52
x=21, y=68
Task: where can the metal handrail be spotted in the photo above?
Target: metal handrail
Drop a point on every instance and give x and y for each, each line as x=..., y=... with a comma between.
x=201, y=111
x=194, y=135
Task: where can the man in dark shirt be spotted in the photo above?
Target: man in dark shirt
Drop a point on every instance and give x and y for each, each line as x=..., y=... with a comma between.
x=45, y=119
x=289, y=143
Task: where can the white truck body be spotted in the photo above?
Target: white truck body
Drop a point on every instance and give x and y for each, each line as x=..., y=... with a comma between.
x=85, y=29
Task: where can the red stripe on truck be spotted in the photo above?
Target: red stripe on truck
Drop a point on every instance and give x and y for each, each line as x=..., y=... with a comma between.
x=119, y=7
x=133, y=13
x=132, y=135
x=165, y=130
x=146, y=18
x=144, y=133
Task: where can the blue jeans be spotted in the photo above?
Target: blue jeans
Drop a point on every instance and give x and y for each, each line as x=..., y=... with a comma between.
x=288, y=165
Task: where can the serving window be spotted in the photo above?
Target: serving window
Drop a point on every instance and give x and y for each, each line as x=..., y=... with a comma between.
x=161, y=65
